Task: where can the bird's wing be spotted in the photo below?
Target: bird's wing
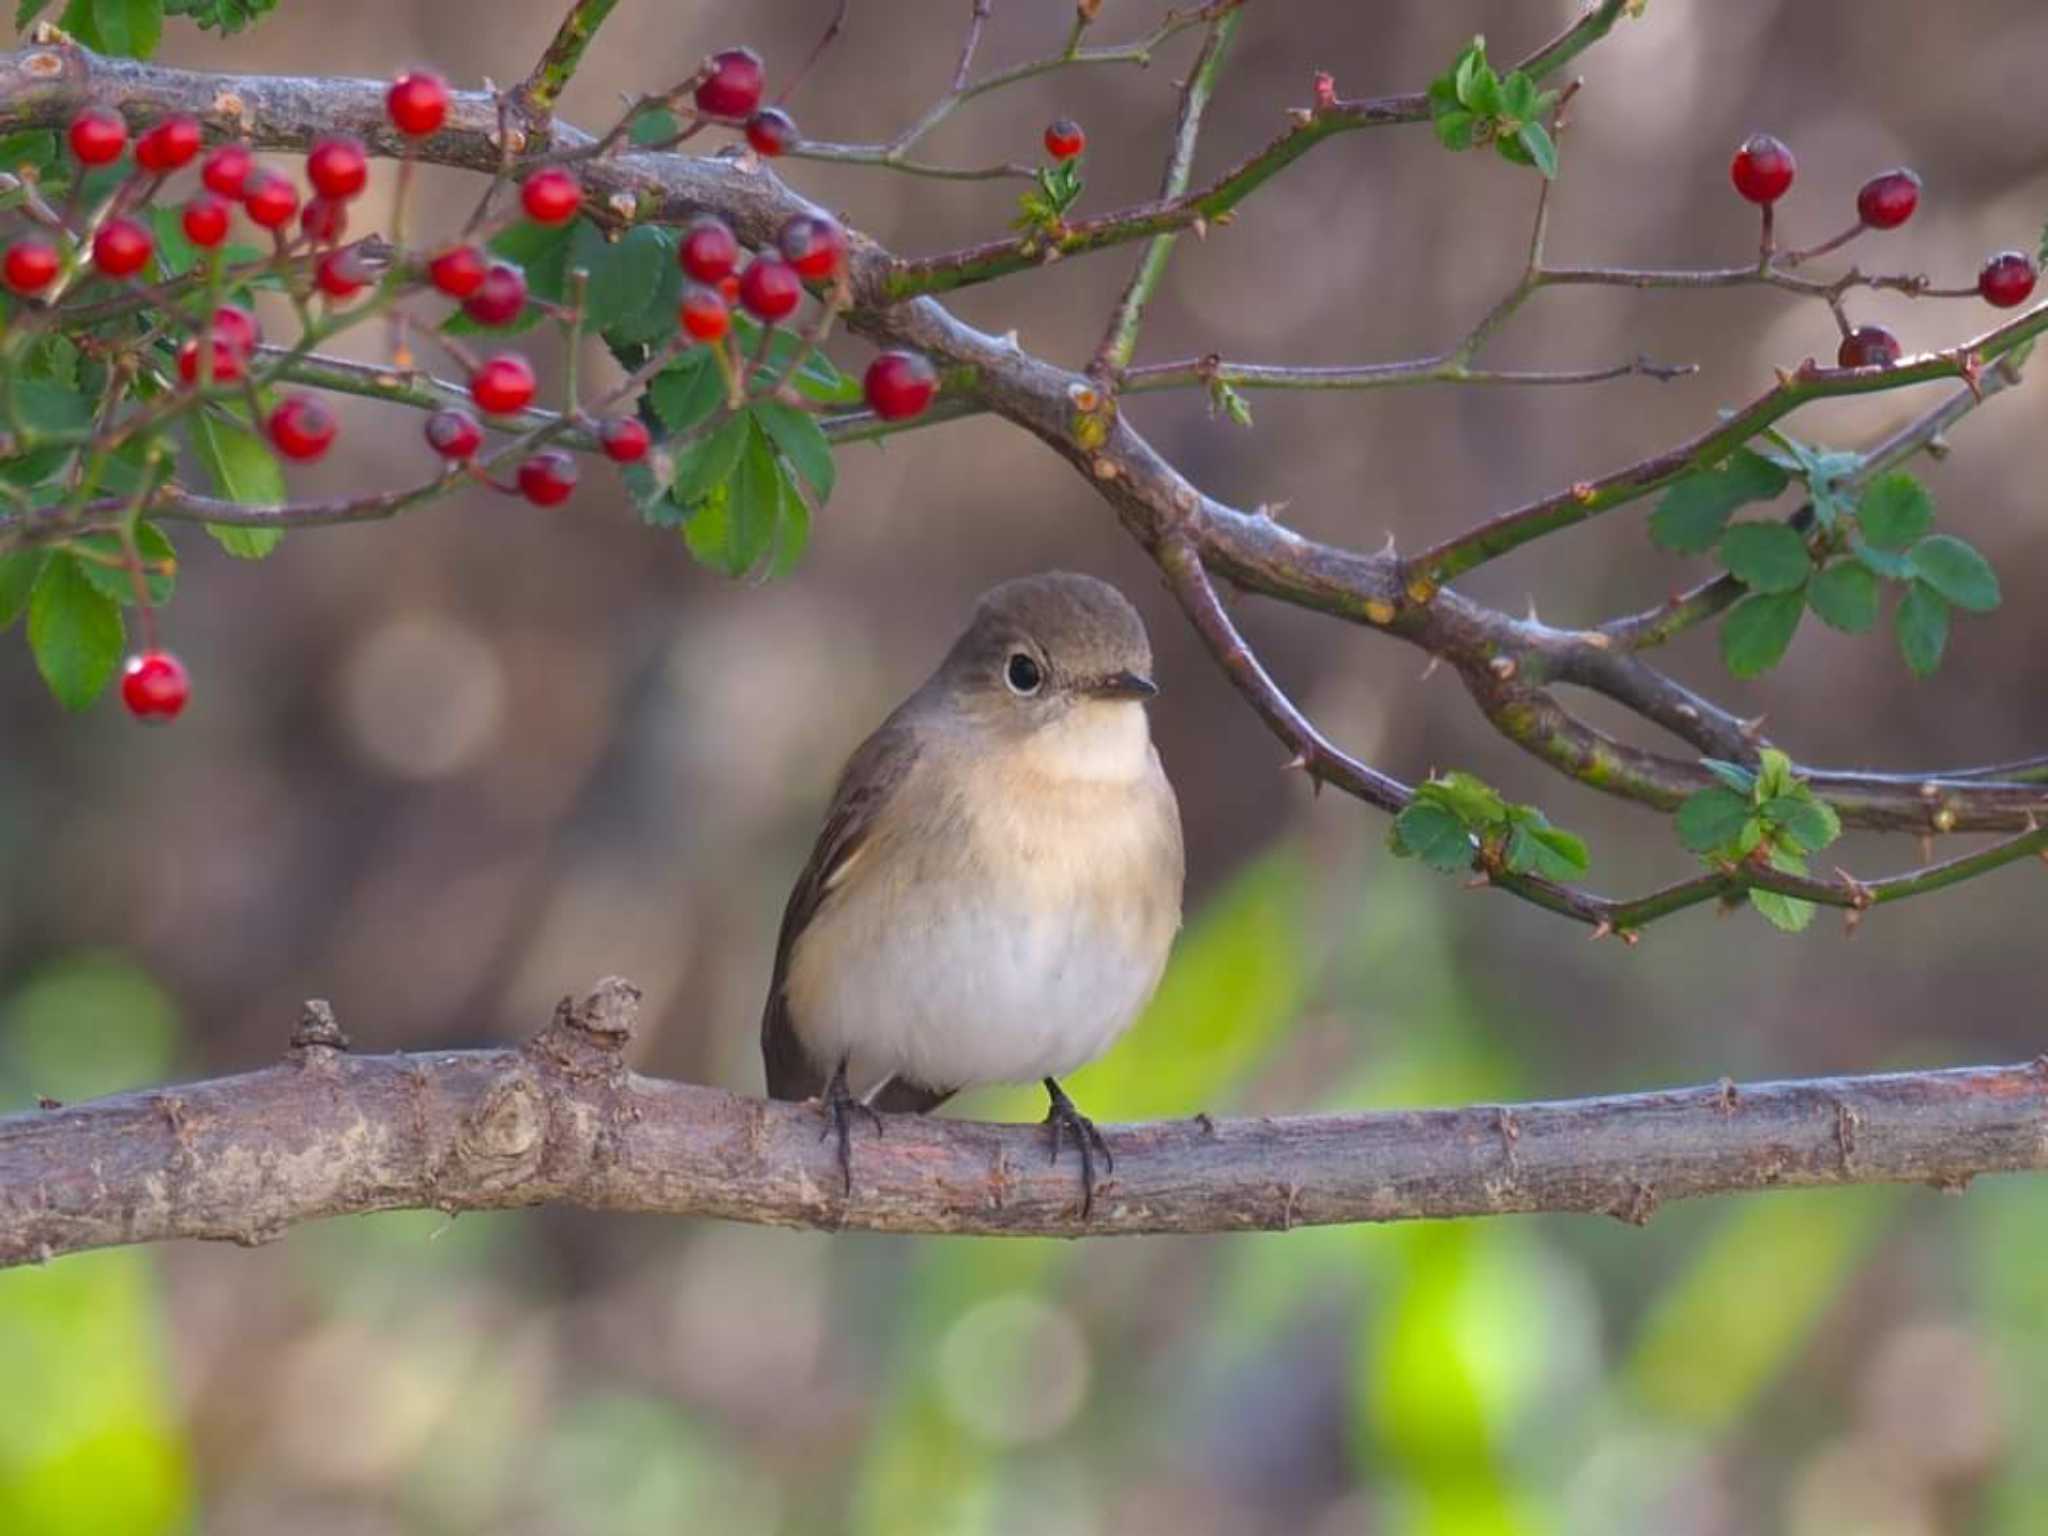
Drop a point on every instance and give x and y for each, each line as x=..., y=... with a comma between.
x=873, y=775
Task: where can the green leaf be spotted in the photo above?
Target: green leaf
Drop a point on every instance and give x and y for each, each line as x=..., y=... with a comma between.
x=655, y=318
x=1804, y=819
x=1766, y=557
x=1694, y=510
x=1471, y=799
x=1518, y=97
x=130, y=28
x=653, y=126
x=1432, y=834
x=1891, y=564
x=690, y=392
x=541, y=251
x=796, y=434
x=1485, y=96
x=75, y=631
x=1921, y=624
x=1539, y=848
x=242, y=469
x=1895, y=510
x=116, y=581
x=1734, y=775
x=708, y=463
x=26, y=12
x=47, y=407
x=1758, y=630
x=34, y=147
x=175, y=254
x=18, y=572
x=1712, y=818
x=1470, y=67
x=622, y=273
x=756, y=505
x=650, y=496
x=223, y=16
x=1845, y=596
x=1455, y=128
x=1535, y=138
x=792, y=531
x=1788, y=914
x=1956, y=570
x=1774, y=776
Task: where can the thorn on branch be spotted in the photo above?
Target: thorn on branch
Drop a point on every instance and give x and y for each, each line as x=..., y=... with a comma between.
x=1727, y=1097
x=318, y=1029
x=1637, y=1206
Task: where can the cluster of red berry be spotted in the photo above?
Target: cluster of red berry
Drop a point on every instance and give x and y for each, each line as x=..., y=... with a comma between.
x=1762, y=172
x=768, y=285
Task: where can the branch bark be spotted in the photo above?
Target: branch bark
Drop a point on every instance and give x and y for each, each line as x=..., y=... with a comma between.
x=561, y=1119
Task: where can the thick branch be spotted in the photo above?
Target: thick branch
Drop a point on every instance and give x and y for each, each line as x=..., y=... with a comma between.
x=562, y=1120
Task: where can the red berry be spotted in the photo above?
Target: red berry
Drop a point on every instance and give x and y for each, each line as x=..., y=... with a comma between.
x=31, y=265
x=458, y=271
x=120, y=246
x=548, y=478
x=1064, y=139
x=417, y=103
x=98, y=136
x=228, y=360
x=899, y=385
x=500, y=298
x=226, y=169
x=550, y=196
x=731, y=86
x=1888, y=199
x=454, y=433
x=269, y=199
x=729, y=288
x=813, y=244
x=624, y=440
x=302, y=427
x=342, y=273
x=703, y=313
x=2007, y=278
x=708, y=251
x=237, y=327
x=1868, y=346
x=1762, y=169
x=337, y=167
x=205, y=220
x=324, y=220
x=169, y=145
x=772, y=132
x=155, y=686
x=770, y=288
x=503, y=383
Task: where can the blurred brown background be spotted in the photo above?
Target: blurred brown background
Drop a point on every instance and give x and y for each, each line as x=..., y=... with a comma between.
x=446, y=770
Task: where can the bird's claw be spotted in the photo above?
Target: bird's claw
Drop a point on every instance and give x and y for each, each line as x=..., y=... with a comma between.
x=840, y=1107
x=1062, y=1118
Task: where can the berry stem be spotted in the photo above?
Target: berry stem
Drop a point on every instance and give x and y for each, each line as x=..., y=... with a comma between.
x=1833, y=243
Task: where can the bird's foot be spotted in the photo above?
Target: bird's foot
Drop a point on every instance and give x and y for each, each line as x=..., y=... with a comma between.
x=840, y=1107
x=1063, y=1119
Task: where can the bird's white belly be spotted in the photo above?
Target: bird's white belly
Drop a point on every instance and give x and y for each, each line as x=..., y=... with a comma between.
x=961, y=991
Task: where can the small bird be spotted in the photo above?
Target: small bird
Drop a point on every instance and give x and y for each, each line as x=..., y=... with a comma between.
x=998, y=881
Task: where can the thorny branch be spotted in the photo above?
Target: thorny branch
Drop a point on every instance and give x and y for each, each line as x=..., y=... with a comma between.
x=562, y=1120
x=1511, y=667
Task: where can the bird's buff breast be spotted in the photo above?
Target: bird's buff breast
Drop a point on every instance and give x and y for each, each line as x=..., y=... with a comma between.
x=1016, y=936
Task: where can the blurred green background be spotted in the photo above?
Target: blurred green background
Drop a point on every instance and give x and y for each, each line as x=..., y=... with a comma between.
x=447, y=770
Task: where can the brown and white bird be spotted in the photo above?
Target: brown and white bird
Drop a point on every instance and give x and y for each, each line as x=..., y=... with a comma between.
x=998, y=881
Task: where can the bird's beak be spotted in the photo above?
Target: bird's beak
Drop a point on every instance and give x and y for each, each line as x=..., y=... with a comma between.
x=1123, y=685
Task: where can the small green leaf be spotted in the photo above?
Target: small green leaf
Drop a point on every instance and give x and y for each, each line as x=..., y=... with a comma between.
x=1758, y=630
x=1804, y=819
x=622, y=273
x=541, y=252
x=116, y=581
x=24, y=13
x=1895, y=510
x=1455, y=128
x=1432, y=834
x=18, y=572
x=792, y=531
x=1845, y=596
x=756, y=505
x=1552, y=852
x=1535, y=138
x=1734, y=775
x=1518, y=97
x=75, y=631
x=1468, y=71
x=1484, y=97
x=689, y=392
x=1766, y=557
x=1774, y=776
x=1471, y=799
x=653, y=126
x=130, y=28
x=1694, y=510
x=243, y=470
x=709, y=462
x=1921, y=624
x=1891, y=564
x=1712, y=818
x=796, y=434
x=650, y=496
x=1789, y=914
x=175, y=255
x=1956, y=570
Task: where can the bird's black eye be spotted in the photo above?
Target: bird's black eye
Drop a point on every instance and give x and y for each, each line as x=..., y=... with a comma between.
x=1022, y=673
